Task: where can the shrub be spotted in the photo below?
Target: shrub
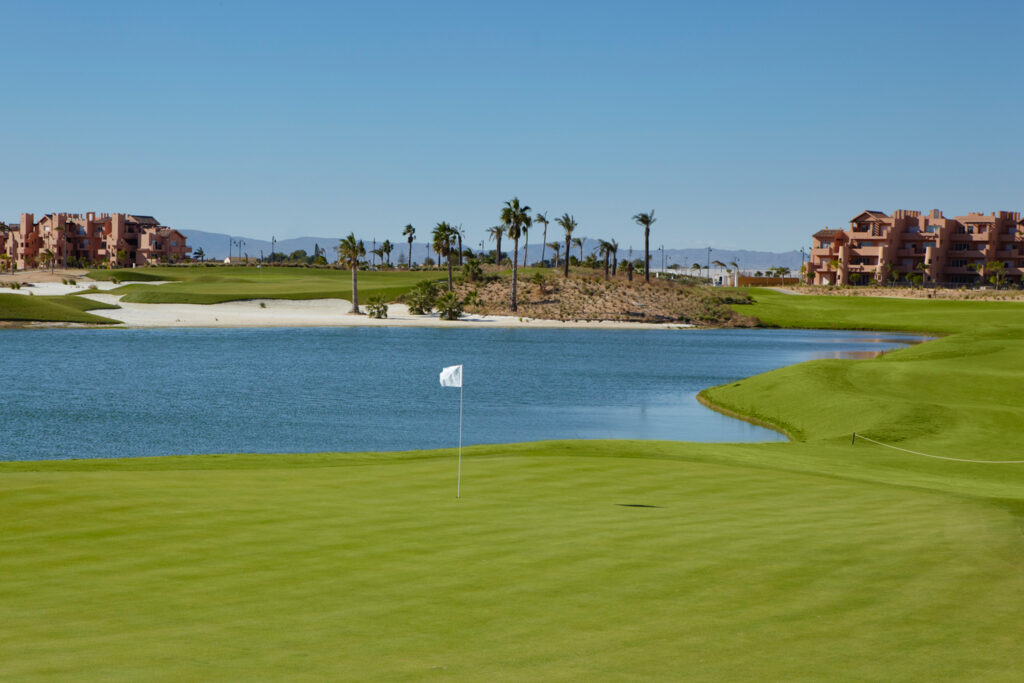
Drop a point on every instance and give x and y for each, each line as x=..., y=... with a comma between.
x=377, y=308
x=422, y=297
x=449, y=306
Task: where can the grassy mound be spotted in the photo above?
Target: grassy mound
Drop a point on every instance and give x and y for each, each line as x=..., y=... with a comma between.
x=126, y=275
x=63, y=309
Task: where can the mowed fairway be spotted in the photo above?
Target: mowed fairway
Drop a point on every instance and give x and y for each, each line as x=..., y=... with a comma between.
x=217, y=284
x=814, y=559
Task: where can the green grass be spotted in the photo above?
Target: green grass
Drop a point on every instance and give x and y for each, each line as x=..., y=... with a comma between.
x=63, y=309
x=813, y=559
x=212, y=285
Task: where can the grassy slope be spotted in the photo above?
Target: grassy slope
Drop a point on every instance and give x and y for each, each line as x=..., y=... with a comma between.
x=812, y=559
x=65, y=309
x=211, y=285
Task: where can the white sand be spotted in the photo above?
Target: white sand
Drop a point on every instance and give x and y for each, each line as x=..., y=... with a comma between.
x=287, y=313
x=315, y=313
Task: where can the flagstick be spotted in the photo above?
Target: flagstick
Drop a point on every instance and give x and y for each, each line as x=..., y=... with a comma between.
x=458, y=489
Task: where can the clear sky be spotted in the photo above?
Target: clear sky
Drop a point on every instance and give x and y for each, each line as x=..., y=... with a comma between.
x=743, y=124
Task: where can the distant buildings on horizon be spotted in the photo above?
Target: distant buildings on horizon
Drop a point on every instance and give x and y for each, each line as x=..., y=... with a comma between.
x=91, y=239
x=909, y=246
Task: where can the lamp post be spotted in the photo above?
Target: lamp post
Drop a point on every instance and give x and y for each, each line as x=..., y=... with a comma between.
x=709, y=264
x=273, y=243
x=663, y=259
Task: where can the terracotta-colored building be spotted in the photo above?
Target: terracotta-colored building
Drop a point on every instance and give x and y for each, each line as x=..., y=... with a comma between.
x=92, y=239
x=879, y=247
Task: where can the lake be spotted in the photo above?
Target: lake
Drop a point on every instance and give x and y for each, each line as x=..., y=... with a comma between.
x=123, y=393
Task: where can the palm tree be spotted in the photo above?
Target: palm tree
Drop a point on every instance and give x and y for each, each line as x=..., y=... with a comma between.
x=644, y=220
x=199, y=254
x=410, y=234
x=614, y=247
x=516, y=219
x=350, y=250
x=578, y=242
x=736, y=272
x=568, y=224
x=47, y=256
x=379, y=253
x=542, y=218
x=496, y=233
x=556, y=246
x=696, y=267
x=444, y=243
x=386, y=249
x=457, y=235
x=526, y=242
x=605, y=249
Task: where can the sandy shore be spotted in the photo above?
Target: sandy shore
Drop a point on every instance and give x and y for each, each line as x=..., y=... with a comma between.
x=277, y=312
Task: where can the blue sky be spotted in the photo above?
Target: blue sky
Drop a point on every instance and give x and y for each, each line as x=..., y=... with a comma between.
x=746, y=124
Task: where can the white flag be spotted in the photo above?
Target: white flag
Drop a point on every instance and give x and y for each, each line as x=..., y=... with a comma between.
x=452, y=376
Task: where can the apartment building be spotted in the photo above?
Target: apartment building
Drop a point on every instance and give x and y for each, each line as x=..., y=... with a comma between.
x=118, y=239
x=909, y=245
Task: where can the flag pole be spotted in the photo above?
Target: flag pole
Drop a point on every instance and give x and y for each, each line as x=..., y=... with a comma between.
x=458, y=489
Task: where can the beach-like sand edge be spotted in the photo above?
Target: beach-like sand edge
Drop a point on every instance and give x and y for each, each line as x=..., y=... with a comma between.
x=286, y=312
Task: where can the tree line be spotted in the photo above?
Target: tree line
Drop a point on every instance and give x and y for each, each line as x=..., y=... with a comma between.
x=516, y=219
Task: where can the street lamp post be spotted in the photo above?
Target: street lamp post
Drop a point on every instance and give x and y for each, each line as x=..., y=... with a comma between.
x=709, y=264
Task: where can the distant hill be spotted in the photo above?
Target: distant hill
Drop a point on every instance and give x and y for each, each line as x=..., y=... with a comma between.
x=215, y=245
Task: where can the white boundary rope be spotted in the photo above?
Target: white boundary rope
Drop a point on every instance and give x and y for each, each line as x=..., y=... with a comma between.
x=937, y=457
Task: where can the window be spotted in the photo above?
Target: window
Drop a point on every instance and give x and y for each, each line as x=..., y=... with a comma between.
x=174, y=243
x=929, y=244
x=958, y=263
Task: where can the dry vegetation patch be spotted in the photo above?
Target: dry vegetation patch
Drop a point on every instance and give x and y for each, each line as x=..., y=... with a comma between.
x=591, y=298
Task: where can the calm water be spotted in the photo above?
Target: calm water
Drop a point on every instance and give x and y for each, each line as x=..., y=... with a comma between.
x=117, y=393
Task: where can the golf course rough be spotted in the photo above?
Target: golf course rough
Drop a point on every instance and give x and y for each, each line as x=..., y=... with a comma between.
x=621, y=560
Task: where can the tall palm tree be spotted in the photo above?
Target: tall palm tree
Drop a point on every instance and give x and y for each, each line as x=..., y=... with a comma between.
x=526, y=242
x=444, y=244
x=379, y=253
x=604, y=248
x=578, y=242
x=696, y=267
x=555, y=246
x=735, y=272
x=568, y=223
x=410, y=234
x=350, y=250
x=614, y=247
x=200, y=254
x=496, y=234
x=542, y=218
x=386, y=248
x=516, y=218
x=457, y=234
x=644, y=220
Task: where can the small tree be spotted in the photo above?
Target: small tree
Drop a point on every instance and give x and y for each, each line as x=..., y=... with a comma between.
x=422, y=297
x=995, y=272
x=377, y=308
x=449, y=307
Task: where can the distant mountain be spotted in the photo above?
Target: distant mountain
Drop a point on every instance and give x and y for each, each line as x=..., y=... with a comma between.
x=215, y=245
